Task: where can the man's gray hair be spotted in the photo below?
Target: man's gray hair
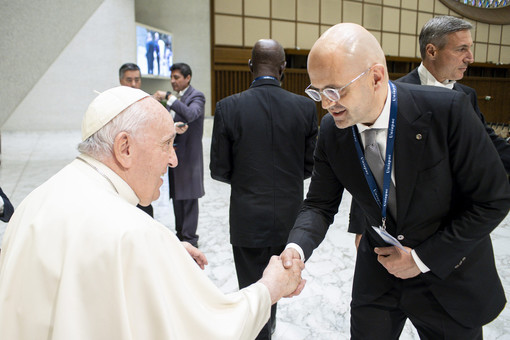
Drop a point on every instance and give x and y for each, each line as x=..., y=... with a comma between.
x=436, y=30
x=131, y=120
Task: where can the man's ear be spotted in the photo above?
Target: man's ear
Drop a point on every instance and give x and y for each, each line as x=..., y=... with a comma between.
x=378, y=71
x=430, y=51
x=282, y=68
x=122, y=149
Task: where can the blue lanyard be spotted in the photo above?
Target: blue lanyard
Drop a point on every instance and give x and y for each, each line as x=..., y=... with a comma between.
x=390, y=144
x=263, y=77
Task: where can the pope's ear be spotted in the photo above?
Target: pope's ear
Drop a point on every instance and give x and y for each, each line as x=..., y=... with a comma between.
x=122, y=149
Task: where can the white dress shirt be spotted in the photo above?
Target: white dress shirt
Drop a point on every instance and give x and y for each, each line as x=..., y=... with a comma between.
x=173, y=98
x=426, y=78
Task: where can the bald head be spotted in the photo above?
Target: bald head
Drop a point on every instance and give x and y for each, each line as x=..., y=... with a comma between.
x=349, y=60
x=267, y=58
x=351, y=45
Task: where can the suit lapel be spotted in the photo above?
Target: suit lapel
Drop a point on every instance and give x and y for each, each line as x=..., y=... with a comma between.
x=410, y=141
x=186, y=95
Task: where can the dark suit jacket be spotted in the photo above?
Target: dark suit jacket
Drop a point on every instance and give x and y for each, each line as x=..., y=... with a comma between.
x=501, y=144
x=8, y=208
x=357, y=222
x=452, y=191
x=262, y=144
x=187, y=179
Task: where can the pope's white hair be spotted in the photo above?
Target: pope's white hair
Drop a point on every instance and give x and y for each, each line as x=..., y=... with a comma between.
x=131, y=120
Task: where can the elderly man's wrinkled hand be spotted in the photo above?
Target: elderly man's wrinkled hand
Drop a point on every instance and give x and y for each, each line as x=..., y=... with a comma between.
x=281, y=281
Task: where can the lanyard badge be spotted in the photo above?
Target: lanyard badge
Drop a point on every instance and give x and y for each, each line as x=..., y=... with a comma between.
x=382, y=200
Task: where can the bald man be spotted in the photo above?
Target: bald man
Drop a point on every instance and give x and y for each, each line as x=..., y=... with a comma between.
x=262, y=145
x=79, y=261
x=428, y=256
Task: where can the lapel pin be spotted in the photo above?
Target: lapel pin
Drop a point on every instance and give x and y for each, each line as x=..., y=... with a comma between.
x=419, y=136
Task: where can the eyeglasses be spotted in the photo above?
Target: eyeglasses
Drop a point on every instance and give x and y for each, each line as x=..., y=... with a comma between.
x=333, y=94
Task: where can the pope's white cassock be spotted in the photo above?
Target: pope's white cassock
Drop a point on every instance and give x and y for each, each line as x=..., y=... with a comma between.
x=80, y=261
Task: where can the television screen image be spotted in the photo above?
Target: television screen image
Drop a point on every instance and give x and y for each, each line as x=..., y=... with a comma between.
x=153, y=51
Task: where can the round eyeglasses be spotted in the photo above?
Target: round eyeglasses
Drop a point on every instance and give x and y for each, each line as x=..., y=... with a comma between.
x=332, y=94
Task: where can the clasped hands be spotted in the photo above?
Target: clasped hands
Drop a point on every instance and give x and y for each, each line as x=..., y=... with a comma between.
x=282, y=277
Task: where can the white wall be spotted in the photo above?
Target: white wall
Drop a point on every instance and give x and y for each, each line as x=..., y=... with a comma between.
x=189, y=23
x=89, y=61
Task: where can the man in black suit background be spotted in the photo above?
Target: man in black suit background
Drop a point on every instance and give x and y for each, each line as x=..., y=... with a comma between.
x=435, y=264
x=262, y=145
x=445, y=48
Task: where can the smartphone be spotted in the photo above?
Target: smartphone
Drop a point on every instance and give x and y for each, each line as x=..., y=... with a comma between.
x=181, y=124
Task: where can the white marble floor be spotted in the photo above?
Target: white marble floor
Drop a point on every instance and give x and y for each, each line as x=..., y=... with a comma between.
x=321, y=312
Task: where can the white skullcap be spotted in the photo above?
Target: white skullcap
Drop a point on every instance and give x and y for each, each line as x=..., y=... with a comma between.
x=106, y=106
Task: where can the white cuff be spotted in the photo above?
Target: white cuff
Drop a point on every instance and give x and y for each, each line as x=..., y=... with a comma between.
x=171, y=100
x=298, y=249
x=419, y=262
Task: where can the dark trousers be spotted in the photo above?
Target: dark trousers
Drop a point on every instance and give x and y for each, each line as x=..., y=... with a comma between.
x=250, y=264
x=186, y=220
x=384, y=318
x=148, y=209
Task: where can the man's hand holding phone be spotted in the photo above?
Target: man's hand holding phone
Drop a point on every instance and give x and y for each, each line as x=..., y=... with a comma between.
x=181, y=127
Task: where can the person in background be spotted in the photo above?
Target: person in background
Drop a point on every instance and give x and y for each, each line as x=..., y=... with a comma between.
x=428, y=179
x=445, y=47
x=262, y=145
x=186, y=181
x=110, y=271
x=130, y=75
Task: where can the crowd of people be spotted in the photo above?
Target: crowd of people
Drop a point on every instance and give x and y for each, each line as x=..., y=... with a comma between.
x=428, y=177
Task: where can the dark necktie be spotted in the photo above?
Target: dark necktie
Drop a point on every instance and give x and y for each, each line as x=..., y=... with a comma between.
x=376, y=163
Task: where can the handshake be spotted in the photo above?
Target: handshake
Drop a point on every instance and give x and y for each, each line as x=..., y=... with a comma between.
x=282, y=276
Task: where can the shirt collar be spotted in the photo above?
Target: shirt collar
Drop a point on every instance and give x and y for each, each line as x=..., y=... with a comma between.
x=181, y=93
x=383, y=119
x=426, y=78
x=118, y=183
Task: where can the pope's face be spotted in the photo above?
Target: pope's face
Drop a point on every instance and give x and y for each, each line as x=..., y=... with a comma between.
x=153, y=153
x=453, y=59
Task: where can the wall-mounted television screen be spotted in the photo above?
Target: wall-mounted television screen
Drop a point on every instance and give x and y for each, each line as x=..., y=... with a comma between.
x=154, y=51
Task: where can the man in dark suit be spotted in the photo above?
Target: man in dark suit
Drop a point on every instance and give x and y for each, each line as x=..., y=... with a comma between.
x=445, y=48
x=187, y=179
x=430, y=259
x=262, y=145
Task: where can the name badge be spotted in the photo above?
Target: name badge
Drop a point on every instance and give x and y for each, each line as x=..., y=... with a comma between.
x=389, y=238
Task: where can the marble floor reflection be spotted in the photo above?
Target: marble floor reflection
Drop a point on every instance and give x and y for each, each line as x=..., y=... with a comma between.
x=321, y=312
